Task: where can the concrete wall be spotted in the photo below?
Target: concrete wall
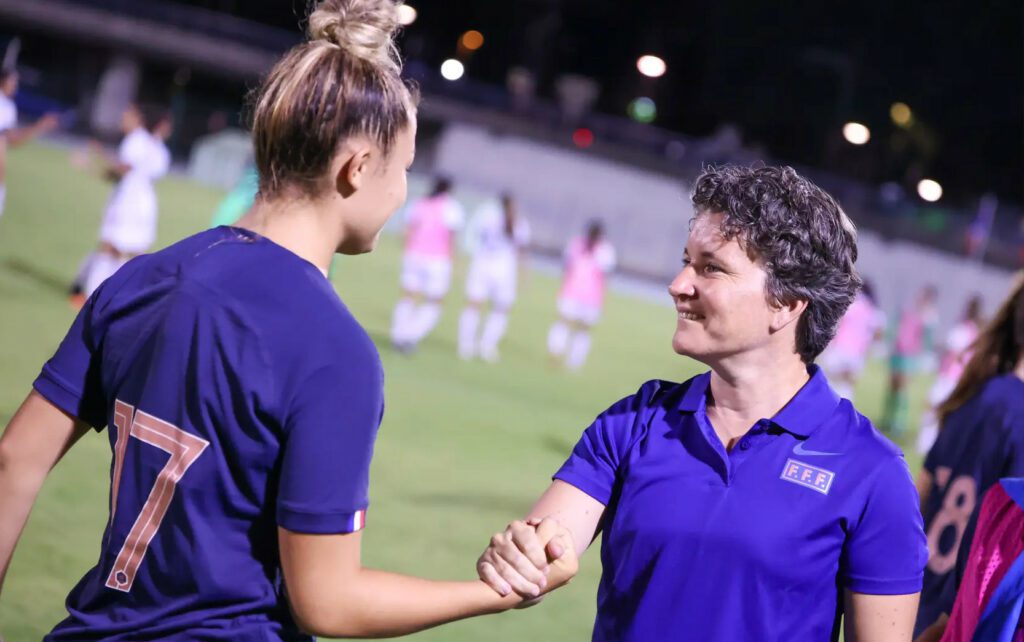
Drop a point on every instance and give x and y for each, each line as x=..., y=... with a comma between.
x=648, y=214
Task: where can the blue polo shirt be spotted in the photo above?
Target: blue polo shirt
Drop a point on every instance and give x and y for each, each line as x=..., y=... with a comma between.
x=753, y=544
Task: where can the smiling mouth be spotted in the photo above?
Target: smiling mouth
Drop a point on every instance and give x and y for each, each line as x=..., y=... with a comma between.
x=691, y=316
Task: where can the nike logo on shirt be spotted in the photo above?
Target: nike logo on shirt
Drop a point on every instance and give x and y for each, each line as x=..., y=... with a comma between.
x=800, y=450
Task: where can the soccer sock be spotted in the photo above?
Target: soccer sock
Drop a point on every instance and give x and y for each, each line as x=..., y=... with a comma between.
x=494, y=330
x=426, y=318
x=101, y=268
x=558, y=338
x=579, y=350
x=468, y=322
x=400, y=320
x=3, y=198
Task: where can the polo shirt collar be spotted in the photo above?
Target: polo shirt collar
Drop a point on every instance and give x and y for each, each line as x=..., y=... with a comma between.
x=806, y=411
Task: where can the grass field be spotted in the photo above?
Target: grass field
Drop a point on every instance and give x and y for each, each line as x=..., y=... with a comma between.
x=464, y=447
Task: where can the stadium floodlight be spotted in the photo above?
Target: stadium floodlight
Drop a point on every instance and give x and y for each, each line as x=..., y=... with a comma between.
x=406, y=15
x=642, y=110
x=856, y=133
x=472, y=40
x=929, y=190
x=651, y=66
x=901, y=114
x=452, y=69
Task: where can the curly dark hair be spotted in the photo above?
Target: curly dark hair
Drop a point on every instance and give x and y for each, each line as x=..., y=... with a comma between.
x=800, y=235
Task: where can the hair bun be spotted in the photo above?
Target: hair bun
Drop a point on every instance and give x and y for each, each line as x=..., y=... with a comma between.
x=364, y=29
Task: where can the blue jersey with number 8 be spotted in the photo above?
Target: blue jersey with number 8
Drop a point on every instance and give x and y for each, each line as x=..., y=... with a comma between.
x=979, y=443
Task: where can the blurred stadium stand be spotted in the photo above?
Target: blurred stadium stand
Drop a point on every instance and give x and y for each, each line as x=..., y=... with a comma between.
x=636, y=176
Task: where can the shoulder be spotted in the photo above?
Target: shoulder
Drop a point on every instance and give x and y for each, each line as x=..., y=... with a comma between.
x=870, y=455
x=652, y=395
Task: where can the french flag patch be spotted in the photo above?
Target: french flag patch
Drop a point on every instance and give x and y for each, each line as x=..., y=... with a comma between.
x=812, y=477
x=357, y=521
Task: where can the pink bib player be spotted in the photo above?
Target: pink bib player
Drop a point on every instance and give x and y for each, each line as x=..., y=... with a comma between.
x=584, y=280
x=430, y=229
x=858, y=327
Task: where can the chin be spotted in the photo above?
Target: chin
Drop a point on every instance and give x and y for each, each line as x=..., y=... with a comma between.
x=355, y=247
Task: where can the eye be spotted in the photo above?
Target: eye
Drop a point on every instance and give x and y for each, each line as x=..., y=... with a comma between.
x=711, y=267
x=686, y=261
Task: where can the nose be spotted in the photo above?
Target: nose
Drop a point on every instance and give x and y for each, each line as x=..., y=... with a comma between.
x=683, y=284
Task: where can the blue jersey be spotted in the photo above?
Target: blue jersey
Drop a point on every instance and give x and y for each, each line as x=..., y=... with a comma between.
x=755, y=543
x=980, y=442
x=239, y=395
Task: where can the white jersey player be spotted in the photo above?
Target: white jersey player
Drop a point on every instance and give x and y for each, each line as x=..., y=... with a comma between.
x=130, y=219
x=10, y=134
x=431, y=225
x=497, y=236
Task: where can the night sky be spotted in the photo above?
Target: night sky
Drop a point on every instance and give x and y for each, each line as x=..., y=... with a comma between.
x=787, y=74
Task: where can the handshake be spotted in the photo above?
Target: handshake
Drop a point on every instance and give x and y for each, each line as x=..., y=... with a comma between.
x=530, y=558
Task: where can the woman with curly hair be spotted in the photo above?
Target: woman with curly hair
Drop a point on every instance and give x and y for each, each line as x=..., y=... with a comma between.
x=750, y=502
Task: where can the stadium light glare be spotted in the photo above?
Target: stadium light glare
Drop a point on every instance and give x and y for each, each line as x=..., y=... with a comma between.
x=929, y=190
x=452, y=69
x=651, y=66
x=472, y=40
x=406, y=15
x=856, y=133
x=642, y=110
x=583, y=138
x=901, y=114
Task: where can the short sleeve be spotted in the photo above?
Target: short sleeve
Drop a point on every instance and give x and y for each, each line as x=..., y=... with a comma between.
x=71, y=379
x=8, y=116
x=135, y=151
x=606, y=257
x=329, y=435
x=454, y=215
x=594, y=464
x=886, y=550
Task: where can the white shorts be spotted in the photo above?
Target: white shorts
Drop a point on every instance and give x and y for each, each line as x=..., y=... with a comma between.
x=493, y=281
x=837, y=361
x=577, y=312
x=130, y=227
x=427, y=276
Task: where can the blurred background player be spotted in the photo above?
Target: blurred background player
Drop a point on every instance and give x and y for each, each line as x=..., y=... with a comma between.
x=130, y=219
x=10, y=134
x=915, y=332
x=497, y=237
x=239, y=199
x=861, y=326
x=956, y=353
x=588, y=260
x=431, y=225
x=981, y=440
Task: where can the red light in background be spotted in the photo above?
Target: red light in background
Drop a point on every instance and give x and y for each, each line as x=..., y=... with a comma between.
x=583, y=137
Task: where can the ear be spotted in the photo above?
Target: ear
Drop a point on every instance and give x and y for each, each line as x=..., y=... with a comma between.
x=351, y=169
x=787, y=312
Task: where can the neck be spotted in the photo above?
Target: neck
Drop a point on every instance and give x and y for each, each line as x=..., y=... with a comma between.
x=1019, y=370
x=296, y=225
x=755, y=388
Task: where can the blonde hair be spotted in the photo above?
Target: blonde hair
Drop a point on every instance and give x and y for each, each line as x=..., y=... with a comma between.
x=344, y=80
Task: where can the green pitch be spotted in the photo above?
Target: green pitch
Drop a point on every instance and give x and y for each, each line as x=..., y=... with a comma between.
x=464, y=448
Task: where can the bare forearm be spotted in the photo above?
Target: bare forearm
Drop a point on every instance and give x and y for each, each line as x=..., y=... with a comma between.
x=18, y=491
x=378, y=604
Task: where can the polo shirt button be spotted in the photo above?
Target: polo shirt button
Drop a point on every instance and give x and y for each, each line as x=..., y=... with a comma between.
x=744, y=444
